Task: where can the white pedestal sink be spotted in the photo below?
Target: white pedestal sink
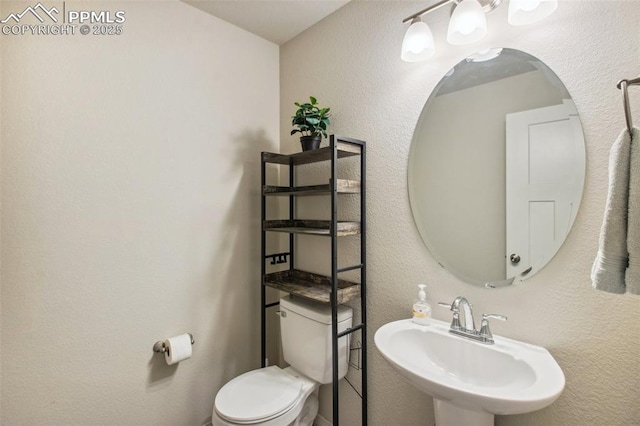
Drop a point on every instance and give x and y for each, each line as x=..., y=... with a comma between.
x=471, y=382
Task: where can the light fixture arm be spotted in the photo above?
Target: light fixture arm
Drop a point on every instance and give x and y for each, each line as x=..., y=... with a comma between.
x=487, y=6
x=429, y=9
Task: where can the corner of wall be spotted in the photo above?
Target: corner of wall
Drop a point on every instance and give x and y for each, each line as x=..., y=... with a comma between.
x=1, y=138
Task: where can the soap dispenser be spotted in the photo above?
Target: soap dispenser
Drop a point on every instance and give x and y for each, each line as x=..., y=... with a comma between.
x=421, y=309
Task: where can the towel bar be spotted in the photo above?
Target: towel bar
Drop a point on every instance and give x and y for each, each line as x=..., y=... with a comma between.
x=624, y=85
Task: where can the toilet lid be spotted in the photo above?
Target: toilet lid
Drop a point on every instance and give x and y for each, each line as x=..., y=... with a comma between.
x=257, y=395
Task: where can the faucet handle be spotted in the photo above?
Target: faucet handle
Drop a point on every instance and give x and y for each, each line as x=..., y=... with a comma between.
x=446, y=305
x=485, y=331
x=455, y=321
x=496, y=316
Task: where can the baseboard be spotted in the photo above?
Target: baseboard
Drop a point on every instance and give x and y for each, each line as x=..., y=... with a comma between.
x=321, y=421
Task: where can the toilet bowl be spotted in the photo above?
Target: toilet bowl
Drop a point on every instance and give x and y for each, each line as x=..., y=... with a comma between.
x=273, y=396
x=267, y=397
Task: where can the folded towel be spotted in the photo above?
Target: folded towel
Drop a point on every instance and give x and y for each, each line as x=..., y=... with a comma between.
x=608, y=271
x=632, y=279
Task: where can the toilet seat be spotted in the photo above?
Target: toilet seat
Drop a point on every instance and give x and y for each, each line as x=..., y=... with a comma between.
x=258, y=396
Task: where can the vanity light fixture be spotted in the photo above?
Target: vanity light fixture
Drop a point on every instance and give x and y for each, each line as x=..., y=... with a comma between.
x=524, y=12
x=417, y=44
x=468, y=23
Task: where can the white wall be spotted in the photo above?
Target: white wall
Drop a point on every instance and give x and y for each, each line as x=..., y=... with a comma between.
x=350, y=61
x=130, y=188
x=1, y=63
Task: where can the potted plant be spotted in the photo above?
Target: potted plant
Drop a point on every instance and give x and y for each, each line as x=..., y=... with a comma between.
x=311, y=122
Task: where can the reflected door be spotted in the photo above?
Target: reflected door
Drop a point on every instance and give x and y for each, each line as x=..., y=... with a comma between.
x=543, y=183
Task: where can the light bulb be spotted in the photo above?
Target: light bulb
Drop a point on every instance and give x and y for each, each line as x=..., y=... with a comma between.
x=524, y=12
x=468, y=23
x=417, y=44
x=529, y=5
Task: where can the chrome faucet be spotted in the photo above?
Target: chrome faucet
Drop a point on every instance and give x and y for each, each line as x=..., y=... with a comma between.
x=469, y=329
x=469, y=324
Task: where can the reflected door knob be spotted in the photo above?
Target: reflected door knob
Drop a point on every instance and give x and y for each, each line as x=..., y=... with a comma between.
x=515, y=259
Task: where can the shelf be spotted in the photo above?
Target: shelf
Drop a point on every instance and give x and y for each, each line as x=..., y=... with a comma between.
x=345, y=149
x=311, y=286
x=321, y=289
x=344, y=186
x=312, y=227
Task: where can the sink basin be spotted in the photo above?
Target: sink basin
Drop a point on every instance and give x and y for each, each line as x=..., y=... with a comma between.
x=467, y=378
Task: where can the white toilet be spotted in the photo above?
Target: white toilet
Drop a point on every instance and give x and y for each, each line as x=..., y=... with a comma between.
x=288, y=397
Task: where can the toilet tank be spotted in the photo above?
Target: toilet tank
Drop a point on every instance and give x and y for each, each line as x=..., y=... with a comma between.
x=305, y=329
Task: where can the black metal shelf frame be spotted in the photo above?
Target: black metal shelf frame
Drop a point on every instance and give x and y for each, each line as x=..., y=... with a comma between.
x=338, y=147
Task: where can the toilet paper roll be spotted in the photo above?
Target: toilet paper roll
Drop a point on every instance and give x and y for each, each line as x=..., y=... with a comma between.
x=178, y=348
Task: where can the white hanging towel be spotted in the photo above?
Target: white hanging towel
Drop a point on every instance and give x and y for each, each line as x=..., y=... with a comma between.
x=608, y=271
x=632, y=279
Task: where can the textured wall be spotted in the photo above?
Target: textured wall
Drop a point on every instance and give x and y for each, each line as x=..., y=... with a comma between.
x=350, y=61
x=1, y=64
x=130, y=193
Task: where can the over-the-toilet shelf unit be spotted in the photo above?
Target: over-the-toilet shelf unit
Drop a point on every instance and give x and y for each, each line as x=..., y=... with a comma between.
x=320, y=288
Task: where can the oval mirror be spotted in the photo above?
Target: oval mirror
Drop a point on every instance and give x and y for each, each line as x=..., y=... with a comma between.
x=496, y=168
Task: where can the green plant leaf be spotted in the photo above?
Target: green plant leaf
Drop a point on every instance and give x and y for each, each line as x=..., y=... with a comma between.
x=310, y=119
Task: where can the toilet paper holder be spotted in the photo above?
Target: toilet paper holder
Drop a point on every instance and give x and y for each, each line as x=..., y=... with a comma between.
x=161, y=347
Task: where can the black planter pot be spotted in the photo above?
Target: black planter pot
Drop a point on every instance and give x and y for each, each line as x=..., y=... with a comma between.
x=310, y=142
